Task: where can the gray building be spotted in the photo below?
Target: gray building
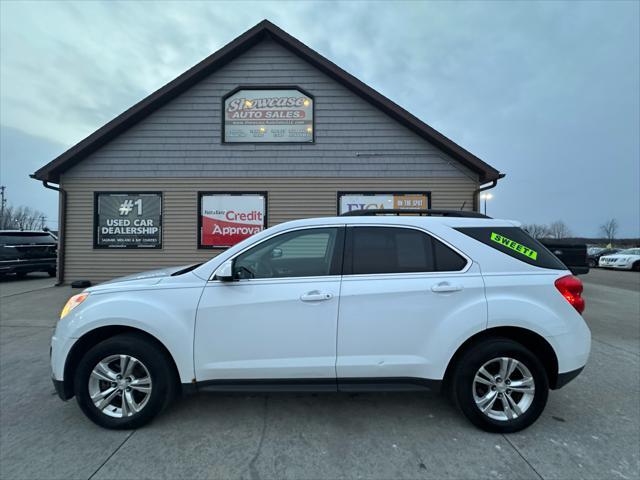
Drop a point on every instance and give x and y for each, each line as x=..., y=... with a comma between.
x=263, y=131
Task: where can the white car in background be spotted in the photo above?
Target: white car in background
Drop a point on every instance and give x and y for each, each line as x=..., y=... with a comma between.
x=628, y=259
x=474, y=306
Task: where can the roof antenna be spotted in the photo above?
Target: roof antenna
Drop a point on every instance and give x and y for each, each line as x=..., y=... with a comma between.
x=463, y=204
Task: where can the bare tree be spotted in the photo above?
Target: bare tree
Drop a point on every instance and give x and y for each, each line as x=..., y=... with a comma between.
x=21, y=218
x=536, y=230
x=559, y=229
x=609, y=229
x=6, y=220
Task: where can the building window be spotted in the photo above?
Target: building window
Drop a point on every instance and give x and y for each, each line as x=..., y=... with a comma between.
x=227, y=218
x=127, y=220
x=351, y=201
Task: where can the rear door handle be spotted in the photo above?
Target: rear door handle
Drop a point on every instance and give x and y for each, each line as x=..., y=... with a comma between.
x=445, y=287
x=316, y=296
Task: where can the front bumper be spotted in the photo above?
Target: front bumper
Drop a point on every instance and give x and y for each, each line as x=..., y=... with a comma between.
x=58, y=352
x=617, y=265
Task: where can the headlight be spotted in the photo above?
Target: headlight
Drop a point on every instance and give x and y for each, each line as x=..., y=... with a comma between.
x=72, y=303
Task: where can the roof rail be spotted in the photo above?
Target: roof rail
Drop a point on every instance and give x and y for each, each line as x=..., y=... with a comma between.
x=404, y=211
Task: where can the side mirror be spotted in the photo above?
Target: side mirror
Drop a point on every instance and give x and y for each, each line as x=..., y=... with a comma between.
x=224, y=272
x=276, y=253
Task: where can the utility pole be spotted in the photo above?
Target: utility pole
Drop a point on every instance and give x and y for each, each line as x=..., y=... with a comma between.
x=43, y=219
x=3, y=201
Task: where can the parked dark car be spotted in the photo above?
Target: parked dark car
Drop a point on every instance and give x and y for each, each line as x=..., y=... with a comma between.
x=573, y=255
x=593, y=258
x=22, y=252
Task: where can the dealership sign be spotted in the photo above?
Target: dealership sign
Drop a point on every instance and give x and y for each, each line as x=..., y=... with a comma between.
x=128, y=220
x=226, y=219
x=278, y=115
x=348, y=202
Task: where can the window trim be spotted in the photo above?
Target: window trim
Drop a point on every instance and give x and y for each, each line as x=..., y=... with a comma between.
x=347, y=251
x=276, y=234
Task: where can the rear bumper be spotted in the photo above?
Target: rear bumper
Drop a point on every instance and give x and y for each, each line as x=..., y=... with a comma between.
x=572, y=351
x=564, y=378
x=61, y=389
x=27, y=265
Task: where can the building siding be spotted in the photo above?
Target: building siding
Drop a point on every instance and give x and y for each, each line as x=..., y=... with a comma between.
x=353, y=138
x=178, y=150
x=288, y=199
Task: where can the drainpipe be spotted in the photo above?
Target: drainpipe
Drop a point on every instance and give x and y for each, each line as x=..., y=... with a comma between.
x=476, y=193
x=62, y=221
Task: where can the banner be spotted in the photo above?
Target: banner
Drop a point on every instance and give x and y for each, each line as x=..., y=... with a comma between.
x=349, y=202
x=226, y=219
x=128, y=220
x=268, y=116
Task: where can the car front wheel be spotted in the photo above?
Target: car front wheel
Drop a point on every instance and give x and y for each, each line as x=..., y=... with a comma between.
x=500, y=386
x=123, y=382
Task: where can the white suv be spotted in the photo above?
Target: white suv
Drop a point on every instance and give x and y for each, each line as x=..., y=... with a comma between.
x=469, y=305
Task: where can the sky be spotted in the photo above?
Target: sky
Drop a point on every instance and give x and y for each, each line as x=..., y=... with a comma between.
x=548, y=92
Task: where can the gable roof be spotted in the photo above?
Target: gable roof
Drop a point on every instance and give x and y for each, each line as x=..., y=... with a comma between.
x=263, y=30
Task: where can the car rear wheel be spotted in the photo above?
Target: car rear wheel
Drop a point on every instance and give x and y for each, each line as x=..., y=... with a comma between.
x=500, y=386
x=592, y=263
x=124, y=382
x=52, y=272
x=636, y=266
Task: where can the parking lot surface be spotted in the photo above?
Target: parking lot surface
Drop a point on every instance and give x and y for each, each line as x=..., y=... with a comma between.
x=590, y=428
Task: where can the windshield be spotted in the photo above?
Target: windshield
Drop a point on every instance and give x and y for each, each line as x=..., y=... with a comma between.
x=630, y=251
x=594, y=250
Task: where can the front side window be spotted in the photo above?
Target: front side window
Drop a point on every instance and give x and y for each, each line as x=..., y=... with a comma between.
x=303, y=253
x=373, y=250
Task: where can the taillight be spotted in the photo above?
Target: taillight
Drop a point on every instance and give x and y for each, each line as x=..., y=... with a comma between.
x=571, y=288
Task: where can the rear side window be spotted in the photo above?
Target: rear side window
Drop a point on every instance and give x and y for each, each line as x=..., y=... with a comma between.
x=516, y=243
x=446, y=259
x=372, y=250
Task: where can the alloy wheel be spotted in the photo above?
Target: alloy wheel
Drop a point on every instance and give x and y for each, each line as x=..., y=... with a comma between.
x=120, y=386
x=503, y=389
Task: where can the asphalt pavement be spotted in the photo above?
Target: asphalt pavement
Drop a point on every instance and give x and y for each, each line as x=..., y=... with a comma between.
x=590, y=428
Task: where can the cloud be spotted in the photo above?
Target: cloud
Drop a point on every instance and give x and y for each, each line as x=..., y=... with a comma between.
x=547, y=92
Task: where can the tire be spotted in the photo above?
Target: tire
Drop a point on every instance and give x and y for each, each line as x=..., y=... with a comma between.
x=592, y=263
x=21, y=274
x=52, y=272
x=150, y=362
x=467, y=392
x=636, y=266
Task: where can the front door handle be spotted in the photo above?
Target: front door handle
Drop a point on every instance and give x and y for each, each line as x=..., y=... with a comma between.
x=446, y=287
x=315, y=296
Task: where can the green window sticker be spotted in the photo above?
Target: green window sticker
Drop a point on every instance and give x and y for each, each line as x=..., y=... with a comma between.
x=515, y=246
